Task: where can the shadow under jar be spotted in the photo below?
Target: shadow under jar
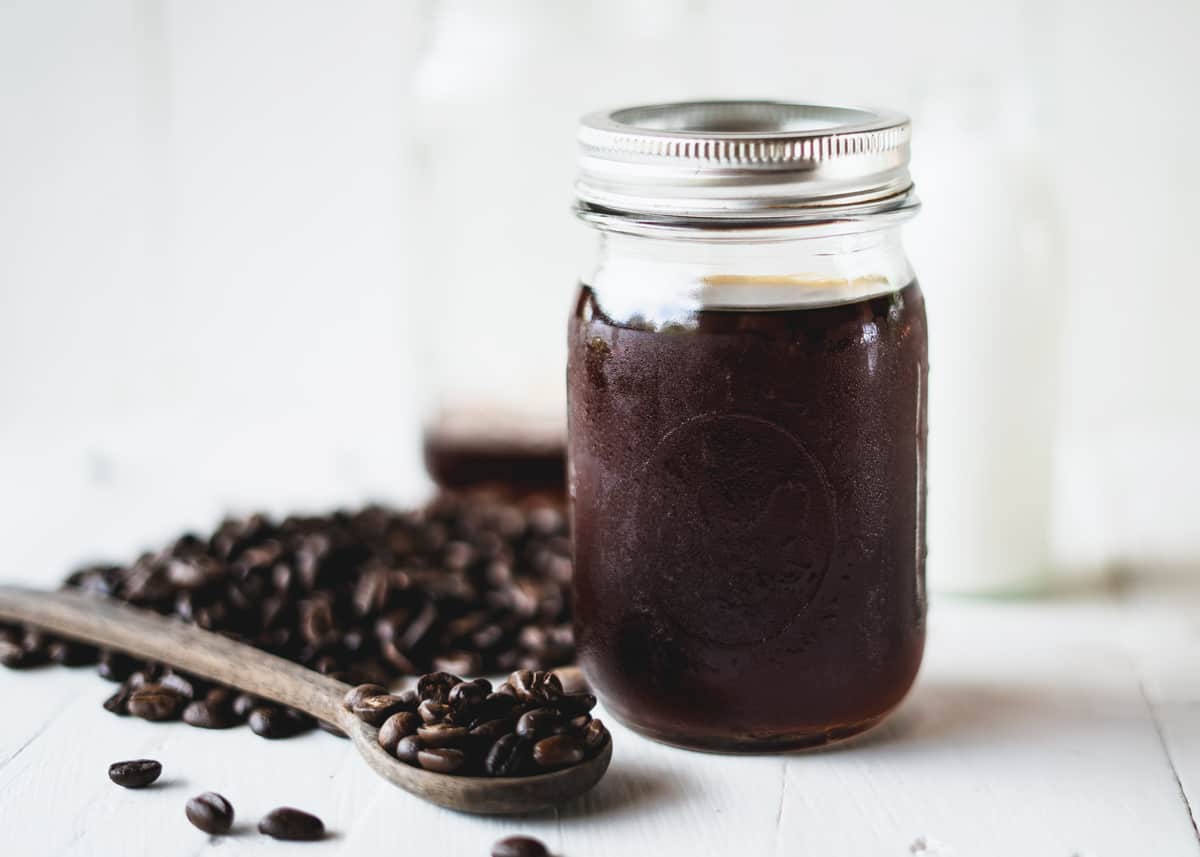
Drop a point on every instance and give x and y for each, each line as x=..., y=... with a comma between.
x=747, y=384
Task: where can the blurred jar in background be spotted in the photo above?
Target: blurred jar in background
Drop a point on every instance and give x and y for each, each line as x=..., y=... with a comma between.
x=990, y=255
x=497, y=94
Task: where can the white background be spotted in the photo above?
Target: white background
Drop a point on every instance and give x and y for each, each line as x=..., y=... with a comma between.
x=205, y=220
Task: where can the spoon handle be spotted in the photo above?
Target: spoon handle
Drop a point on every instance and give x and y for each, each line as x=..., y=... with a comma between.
x=143, y=634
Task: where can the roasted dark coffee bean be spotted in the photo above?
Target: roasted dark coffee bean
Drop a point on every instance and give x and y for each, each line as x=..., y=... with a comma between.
x=575, y=724
x=407, y=749
x=244, y=703
x=355, y=695
x=291, y=824
x=537, y=723
x=507, y=757
x=594, y=736
x=558, y=751
x=116, y=666
x=376, y=709
x=442, y=735
x=210, y=812
x=441, y=760
x=491, y=730
x=185, y=686
x=118, y=703
x=15, y=656
x=436, y=686
x=210, y=715
x=432, y=712
x=69, y=653
x=155, y=702
x=574, y=704
x=519, y=846
x=269, y=721
x=466, y=695
x=495, y=706
x=396, y=727
x=135, y=774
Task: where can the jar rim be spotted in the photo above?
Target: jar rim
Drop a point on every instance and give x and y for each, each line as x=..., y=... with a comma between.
x=746, y=160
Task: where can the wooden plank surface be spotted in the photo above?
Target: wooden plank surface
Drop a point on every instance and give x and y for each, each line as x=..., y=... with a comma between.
x=1047, y=728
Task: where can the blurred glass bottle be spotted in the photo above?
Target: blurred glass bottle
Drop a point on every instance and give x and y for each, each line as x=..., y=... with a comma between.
x=497, y=94
x=991, y=260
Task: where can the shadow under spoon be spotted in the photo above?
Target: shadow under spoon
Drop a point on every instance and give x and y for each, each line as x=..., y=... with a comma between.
x=147, y=635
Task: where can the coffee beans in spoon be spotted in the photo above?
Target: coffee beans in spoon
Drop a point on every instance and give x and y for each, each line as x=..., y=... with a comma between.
x=525, y=726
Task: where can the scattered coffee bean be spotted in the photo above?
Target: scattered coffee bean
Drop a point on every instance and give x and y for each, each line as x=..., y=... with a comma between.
x=210, y=715
x=118, y=703
x=520, y=846
x=135, y=774
x=270, y=721
x=291, y=824
x=441, y=760
x=466, y=584
x=115, y=666
x=210, y=812
x=442, y=735
x=69, y=653
x=155, y=702
x=433, y=712
x=594, y=736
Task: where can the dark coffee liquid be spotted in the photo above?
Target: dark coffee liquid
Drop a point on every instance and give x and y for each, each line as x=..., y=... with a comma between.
x=507, y=465
x=748, y=505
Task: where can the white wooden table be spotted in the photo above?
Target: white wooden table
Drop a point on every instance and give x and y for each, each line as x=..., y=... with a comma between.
x=1056, y=728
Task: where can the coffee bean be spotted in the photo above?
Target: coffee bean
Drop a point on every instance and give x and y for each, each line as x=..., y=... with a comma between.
x=436, y=686
x=441, y=760
x=185, y=686
x=15, y=656
x=243, y=704
x=396, y=727
x=519, y=846
x=558, y=751
x=459, y=662
x=594, y=736
x=269, y=721
x=573, y=704
x=135, y=774
x=210, y=812
x=357, y=694
x=507, y=757
x=116, y=666
x=491, y=730
x=537, y=723
x=376, y=709
x=155, y=702
x=118, y=703
x=432, y=712
x=210, y=715
x=442, y=735
x=291, y=824
x=69, y=653
x=408, y=748
x=467, y=695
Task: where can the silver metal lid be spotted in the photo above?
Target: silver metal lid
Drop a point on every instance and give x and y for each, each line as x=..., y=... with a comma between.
x=764, y=161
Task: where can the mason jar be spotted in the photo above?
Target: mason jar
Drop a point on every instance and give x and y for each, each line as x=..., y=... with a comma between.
x=747, y=373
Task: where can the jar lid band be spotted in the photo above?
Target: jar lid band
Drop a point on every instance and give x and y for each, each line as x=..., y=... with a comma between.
x=764, y=161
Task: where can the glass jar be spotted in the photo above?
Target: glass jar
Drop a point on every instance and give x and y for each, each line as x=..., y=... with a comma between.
x=747, y=383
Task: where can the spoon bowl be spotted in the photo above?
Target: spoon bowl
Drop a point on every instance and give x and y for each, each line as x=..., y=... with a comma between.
x=106, y=623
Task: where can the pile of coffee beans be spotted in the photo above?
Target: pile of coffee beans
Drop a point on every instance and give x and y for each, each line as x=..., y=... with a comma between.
x=528, y=725
x=468, y=584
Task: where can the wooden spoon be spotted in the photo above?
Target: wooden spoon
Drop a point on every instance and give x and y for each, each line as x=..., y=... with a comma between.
x=147, y=635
